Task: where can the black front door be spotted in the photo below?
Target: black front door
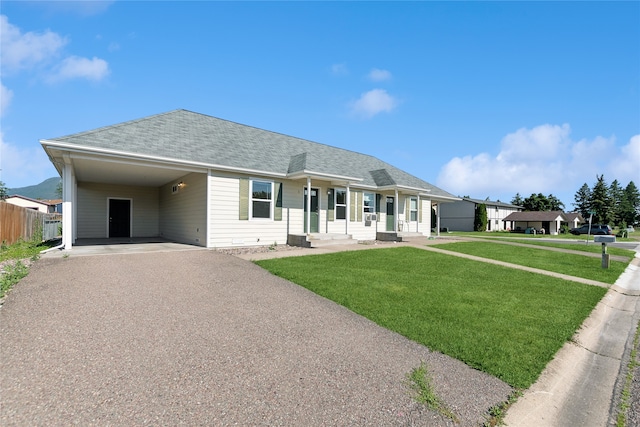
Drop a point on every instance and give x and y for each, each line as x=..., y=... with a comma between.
x=119, y=218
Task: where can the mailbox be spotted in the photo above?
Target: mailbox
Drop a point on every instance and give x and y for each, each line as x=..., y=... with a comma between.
x=604, y=239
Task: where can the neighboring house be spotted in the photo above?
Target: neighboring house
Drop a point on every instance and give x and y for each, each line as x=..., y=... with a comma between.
x=550, y=221
x=574, y=219
x=46, y=206
x=201, y=180
x=460, y=215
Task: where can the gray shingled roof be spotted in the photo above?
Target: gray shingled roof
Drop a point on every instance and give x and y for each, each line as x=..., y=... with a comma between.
x=187, y=136
x=535, y=216
x=492, y=203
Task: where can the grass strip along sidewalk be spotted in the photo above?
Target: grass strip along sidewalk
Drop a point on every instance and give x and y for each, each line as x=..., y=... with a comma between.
x=506, y=322
x=558, y=262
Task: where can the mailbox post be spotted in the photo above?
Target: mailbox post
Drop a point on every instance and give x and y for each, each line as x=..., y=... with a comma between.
x=604, y=240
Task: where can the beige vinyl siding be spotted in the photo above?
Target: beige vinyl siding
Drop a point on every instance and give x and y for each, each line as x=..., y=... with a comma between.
x=425, y=224
x=227, y=230
x=92, y=209
x=183, y=215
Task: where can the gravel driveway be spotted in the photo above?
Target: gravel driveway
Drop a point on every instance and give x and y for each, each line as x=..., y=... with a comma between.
x=205, y=338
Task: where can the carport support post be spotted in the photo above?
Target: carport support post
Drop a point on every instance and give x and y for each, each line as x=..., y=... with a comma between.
x=605, y=256
x=67, y=204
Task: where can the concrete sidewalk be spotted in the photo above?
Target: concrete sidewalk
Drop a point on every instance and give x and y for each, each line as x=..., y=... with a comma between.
x=581, y=385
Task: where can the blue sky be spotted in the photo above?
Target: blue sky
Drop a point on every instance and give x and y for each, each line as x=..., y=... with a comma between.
x=486, y=99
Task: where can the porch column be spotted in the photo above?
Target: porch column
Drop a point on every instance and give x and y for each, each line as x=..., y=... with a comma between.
x=347, y=215
x=419, y=207
x=308, y=230
x=438, y=220
x=67, y=205
x=396, y=208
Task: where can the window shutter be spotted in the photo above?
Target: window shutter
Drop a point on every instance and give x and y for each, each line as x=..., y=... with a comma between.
x=352, y=206
x=244, y=198
x=331, y=205
x=378, y=201
x=419, y=210
x=407, y=209
x=277, y=210
x=360, y=206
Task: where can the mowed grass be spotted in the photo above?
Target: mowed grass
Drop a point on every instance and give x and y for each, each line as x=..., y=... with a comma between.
x=571, y=264
x=506, y=322
x=594, y=248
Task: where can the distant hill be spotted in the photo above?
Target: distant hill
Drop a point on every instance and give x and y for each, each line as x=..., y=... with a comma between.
x=46, y=190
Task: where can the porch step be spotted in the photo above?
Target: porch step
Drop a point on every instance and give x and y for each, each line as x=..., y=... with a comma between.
x=329, y=236
x=410, y=234
x=318, y=240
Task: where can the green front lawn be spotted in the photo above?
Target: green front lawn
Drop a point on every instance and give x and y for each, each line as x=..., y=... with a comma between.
x=594, y=248
x=571, y=264
x=506, y=322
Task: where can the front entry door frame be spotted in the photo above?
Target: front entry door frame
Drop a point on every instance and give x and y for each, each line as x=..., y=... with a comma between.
x=314, y=215
x=391, y=222
x=119, y=218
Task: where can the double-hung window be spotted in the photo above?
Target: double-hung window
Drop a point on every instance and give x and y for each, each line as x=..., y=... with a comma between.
x=414, y=209
x=341, y=203
x=369, y=203
x=261, y=199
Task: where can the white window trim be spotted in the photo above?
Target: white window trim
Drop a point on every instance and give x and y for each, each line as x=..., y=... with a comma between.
x=411, y=210
x=373, y=206
x=251, y=199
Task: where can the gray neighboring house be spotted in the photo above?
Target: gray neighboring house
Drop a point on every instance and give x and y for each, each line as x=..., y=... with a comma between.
x=459, y=215
x=197, y=179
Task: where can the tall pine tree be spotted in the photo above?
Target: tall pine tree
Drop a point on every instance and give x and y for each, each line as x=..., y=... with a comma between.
x=582, y=200
x=517, y=200
x=600, y=201
x=616, y=194
x=630, y=205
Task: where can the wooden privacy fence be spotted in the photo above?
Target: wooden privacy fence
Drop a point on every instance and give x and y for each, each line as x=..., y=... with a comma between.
x=18, y=223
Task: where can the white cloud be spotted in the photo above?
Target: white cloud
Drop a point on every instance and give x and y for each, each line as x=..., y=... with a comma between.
x=20, y=51
x=25, y=51
x=377, y=75
x=373, y=102
x=24, y=166
x=627, y=163
x=5, y=98
x=541, y=160
x=77, y=67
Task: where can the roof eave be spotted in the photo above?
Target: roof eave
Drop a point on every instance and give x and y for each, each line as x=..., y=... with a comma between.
x=88, y=151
